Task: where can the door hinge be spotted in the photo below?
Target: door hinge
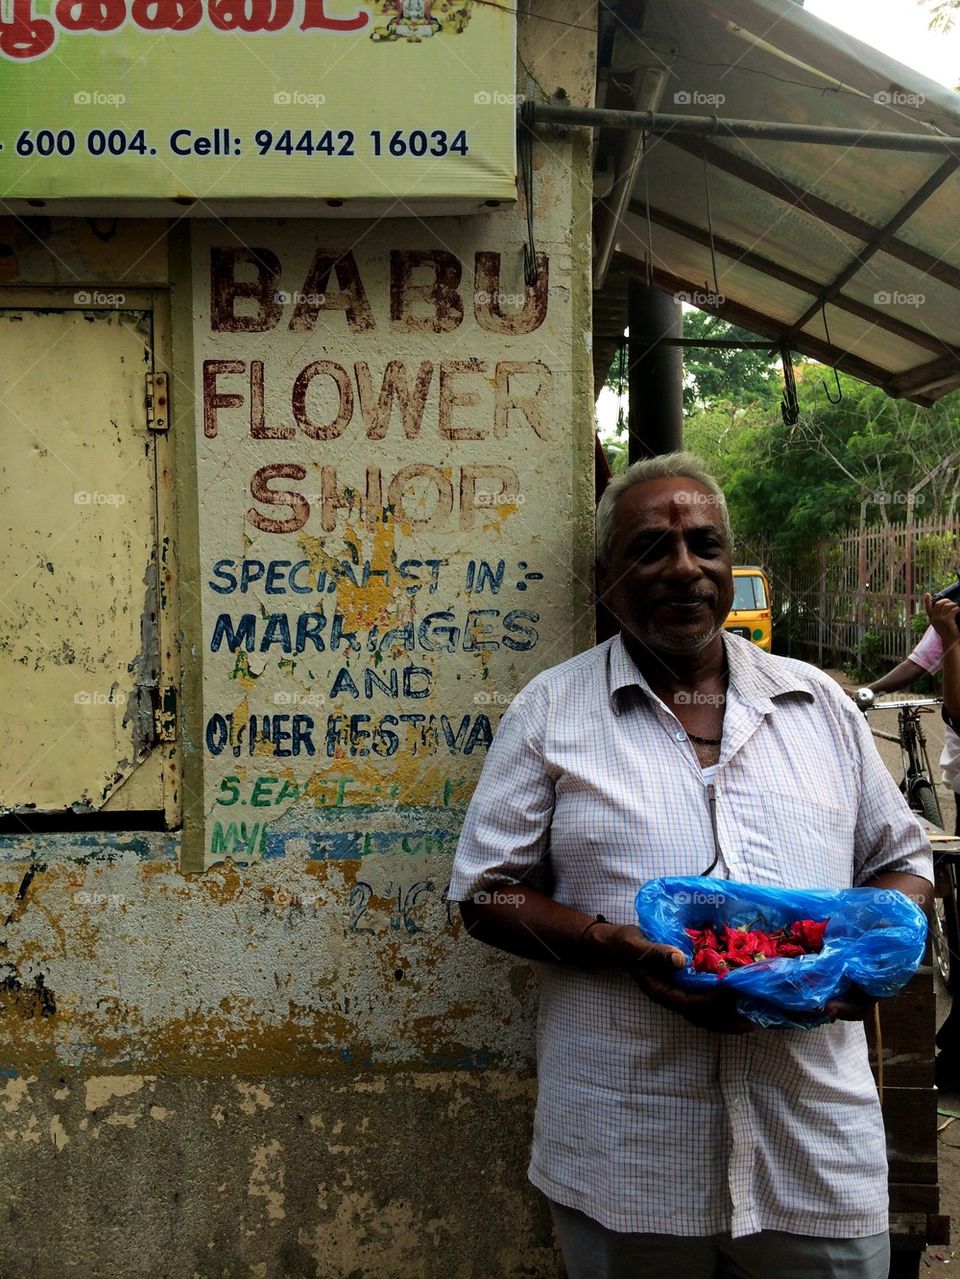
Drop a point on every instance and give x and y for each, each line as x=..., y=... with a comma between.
x=165, y=714
x=157, y=402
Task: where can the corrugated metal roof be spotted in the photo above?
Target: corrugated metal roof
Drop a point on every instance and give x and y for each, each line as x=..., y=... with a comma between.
x=786, y=219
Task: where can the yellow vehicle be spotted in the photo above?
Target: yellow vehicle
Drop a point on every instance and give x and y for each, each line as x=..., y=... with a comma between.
x=751, y=616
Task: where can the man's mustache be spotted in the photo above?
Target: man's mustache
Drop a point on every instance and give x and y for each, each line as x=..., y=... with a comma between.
x=698, y=597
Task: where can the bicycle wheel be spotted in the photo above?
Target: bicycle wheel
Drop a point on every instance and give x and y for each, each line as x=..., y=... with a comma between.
x=945, y=927
x=923, y=800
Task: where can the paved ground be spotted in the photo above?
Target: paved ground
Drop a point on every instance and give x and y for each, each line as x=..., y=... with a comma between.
x=941, y=1259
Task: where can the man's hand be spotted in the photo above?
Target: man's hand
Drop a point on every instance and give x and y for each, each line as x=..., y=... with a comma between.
x=855, y=1005
x=943, y=617
x=653, y=967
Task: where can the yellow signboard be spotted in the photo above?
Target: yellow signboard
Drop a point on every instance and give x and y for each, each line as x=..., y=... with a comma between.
x=257, y=100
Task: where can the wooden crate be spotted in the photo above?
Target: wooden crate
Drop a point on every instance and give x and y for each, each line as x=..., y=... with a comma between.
x=907, y=1028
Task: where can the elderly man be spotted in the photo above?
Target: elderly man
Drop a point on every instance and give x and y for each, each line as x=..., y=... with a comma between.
x=671, y=1136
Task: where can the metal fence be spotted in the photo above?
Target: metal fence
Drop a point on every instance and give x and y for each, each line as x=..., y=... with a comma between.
x=853, y=597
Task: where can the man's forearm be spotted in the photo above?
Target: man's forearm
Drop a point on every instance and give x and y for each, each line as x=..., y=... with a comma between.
x=951, y=679
x=526, y=922
x=919, y=890
x=901, y=676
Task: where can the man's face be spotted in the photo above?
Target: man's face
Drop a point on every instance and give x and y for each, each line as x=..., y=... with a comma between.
x=669, y=583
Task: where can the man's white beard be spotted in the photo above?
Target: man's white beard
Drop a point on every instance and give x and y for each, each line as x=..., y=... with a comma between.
x=654, y=637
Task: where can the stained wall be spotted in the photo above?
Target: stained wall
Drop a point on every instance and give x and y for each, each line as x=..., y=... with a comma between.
x=260, y=1044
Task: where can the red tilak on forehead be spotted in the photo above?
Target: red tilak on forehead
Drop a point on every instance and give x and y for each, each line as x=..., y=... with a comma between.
x=673, y=510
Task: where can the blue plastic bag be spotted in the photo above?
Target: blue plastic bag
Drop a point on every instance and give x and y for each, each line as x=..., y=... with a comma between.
x=875, y=939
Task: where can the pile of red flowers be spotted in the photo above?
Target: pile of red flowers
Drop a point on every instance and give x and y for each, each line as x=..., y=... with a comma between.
x=720, y=950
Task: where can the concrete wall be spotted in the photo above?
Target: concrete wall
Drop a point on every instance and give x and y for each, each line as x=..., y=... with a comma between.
x=272, y=1053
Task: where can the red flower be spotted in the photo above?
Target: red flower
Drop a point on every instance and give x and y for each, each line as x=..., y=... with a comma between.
x=708, y=960
x=809, y=933
x=765, y=947
x=720, y=950
x=737, y=939
x=703, y=938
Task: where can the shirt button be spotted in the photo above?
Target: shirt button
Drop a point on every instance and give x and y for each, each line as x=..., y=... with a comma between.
x=681, y=737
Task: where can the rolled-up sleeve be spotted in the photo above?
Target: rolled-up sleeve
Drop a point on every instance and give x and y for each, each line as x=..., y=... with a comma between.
x=888, y=836
x=506, y=832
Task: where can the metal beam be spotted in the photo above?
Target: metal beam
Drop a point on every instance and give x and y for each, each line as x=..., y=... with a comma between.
x=785, y=275
x=722, y=344
x=719, y=344
x=649, y=84
x=710, y=126
x=756, y=322
x=923, y=378
x=876, y=243
x=816, y=207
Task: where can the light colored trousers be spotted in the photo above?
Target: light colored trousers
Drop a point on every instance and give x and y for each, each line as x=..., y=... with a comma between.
x=591, y=1251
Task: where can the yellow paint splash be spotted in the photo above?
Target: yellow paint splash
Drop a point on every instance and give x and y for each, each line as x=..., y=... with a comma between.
x=103, y=1088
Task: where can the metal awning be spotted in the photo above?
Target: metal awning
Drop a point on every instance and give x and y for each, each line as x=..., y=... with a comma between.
x=836, y=244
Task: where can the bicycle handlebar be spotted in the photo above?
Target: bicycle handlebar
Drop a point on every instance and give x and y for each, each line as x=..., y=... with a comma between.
x=910, y=704
x=865, y=699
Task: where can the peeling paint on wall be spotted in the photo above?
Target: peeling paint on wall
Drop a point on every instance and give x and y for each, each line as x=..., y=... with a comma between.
x=386, y=459
x=291, y=1062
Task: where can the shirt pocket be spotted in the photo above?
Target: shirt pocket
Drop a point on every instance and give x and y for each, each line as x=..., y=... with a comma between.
x=793, y=841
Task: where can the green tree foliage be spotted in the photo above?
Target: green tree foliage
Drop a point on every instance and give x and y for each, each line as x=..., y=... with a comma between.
x=942, y=14
x=739, y=376
x=711, y=375
x=868, y=460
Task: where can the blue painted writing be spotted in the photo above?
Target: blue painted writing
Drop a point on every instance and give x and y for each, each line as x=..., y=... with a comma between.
x=300, y=577
x=435, y=633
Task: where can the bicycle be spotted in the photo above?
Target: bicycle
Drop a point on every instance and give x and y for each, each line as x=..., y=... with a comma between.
x=920, y=791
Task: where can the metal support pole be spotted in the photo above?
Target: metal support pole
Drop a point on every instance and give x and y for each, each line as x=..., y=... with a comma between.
x=655, y=423
x=709, y=126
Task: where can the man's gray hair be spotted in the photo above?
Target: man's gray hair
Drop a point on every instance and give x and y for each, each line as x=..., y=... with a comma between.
x=666, y=466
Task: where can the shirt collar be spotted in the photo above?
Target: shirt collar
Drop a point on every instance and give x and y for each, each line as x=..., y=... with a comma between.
x=755, y=676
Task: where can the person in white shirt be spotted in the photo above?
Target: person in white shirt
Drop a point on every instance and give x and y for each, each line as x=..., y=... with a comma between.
x=672, y=1136
x=940, y=637
x=927, y=659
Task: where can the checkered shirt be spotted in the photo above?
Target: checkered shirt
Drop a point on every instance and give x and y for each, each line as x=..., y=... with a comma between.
x=591, y=787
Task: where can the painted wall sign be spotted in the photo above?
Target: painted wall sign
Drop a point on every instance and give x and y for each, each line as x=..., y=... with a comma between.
x=385, y=510
x=228, y=99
